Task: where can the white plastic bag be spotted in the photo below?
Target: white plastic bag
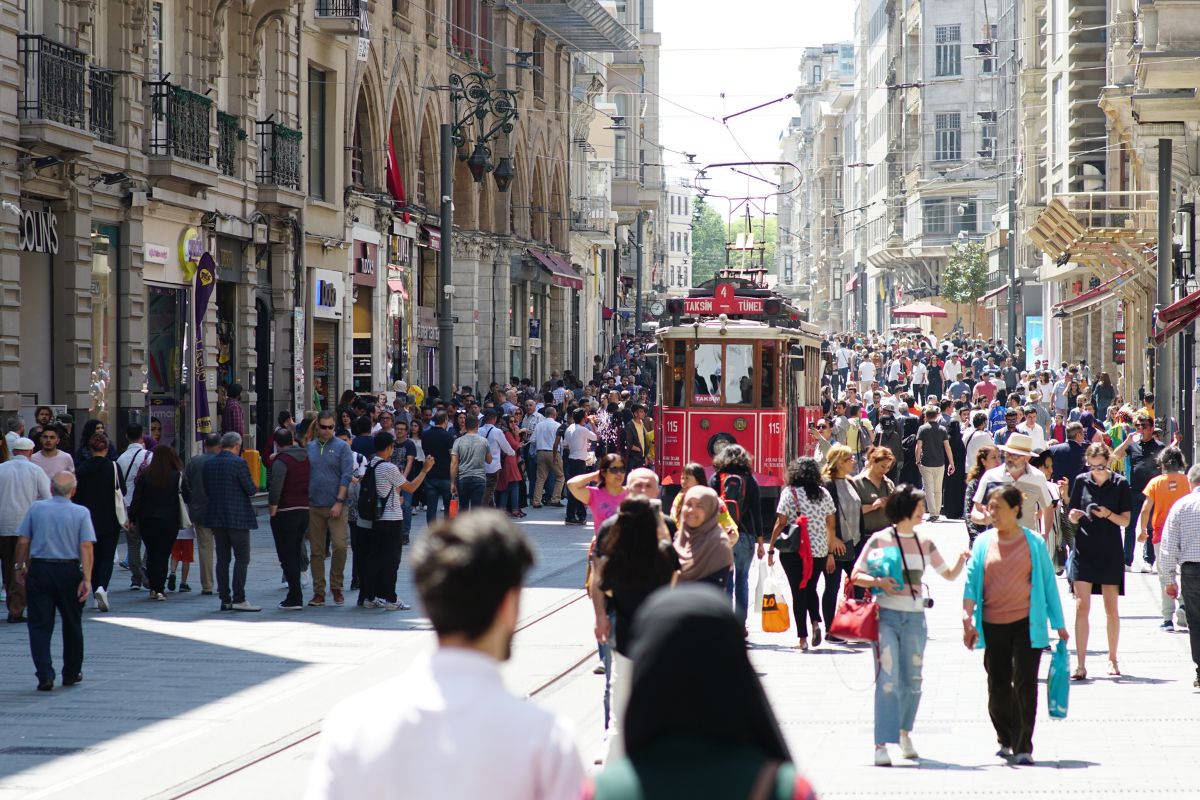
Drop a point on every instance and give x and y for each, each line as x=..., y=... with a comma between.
x=763, y=573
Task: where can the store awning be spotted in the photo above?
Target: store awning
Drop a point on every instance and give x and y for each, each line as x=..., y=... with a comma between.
x=852, y=284
x=1093, y=298
x=919, y=309
x=398, y=286
x=434, y=235
x=998, y=290
x=1177, y=316
x=561, y=273
x=1180, y=308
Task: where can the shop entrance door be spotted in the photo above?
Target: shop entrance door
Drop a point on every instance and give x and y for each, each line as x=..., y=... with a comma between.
x=264, y=381
x=166, y=392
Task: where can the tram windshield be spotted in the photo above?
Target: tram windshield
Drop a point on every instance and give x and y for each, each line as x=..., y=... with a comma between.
x=723, y=374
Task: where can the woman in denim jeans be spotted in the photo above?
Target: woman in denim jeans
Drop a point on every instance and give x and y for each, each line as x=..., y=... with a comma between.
x=892, y=566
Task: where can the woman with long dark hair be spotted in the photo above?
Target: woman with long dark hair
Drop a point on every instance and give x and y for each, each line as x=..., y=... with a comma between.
x=636, y=559
x=604, y=498
x=986, y=457
x=155, y=510
x=803, y=561
x=91, y=427
x=702, y=733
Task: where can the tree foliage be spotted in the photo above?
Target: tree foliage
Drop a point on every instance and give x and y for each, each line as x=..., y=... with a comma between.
x=965, y=278
x=710, y=235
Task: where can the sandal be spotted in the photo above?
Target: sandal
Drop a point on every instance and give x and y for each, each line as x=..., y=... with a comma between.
x=1113, y=669
x=1079, y=674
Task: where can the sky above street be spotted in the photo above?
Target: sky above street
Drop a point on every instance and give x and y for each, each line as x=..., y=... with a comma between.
x=750, y=51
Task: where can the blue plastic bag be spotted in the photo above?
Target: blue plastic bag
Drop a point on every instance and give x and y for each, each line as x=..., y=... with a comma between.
x=1058, y=684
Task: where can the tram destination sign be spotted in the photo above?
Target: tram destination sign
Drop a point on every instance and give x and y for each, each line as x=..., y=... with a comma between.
x=714, y=305
x=723, y=301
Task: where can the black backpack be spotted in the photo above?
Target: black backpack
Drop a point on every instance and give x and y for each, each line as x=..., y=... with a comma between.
x=369, y=501
x=733, y=493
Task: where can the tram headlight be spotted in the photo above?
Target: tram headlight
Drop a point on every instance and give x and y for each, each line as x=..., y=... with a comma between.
x=724, y=320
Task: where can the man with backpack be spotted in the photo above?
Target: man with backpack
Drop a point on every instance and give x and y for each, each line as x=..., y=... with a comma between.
x=733, y=480
x=381, y=517
x=858, y=433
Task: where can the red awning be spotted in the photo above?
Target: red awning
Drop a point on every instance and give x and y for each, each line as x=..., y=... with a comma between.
x=994, y=292
x=435, y=236
x=852, y=284
x=561, y=273
x=1099, y=291
x=1176, y=325
x=1180, y=308
x=398, y=286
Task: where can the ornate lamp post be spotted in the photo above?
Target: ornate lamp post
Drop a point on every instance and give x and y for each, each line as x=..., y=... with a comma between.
x=483, y=106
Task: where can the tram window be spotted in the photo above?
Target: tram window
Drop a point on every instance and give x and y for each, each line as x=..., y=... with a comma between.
x=678, y=370
x=767, y=370
x=739, y=374
x=707, y=368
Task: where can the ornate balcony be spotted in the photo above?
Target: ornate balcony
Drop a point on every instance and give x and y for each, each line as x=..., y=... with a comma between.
x=229, y=133
x=52, y=101
x=338, y=17
x=180, y=133
x=102, y=118
x=279, y=165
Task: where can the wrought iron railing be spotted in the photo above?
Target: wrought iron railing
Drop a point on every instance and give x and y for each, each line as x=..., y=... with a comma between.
x=337, y=9
x=279, y=155
x=229, y=133
x=182, y=123
x=53, y=81
x=102, y=116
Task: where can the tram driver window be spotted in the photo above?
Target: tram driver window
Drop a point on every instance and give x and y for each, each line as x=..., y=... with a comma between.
x=739, y=374
x=678, y=368
x=768, y=368
x=707, y=369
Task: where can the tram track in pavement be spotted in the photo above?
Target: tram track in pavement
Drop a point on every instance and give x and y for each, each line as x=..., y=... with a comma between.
x=305, y=734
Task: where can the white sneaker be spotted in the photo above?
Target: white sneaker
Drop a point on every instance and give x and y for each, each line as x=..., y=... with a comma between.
x=906, y=747
x=102, y=599
x=882, y=759
x=370, y=604
x=402, y=606
x=245, y=606
x=1181, y=620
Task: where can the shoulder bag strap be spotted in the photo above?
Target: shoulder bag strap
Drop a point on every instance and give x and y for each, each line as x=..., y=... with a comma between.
x=764, y=784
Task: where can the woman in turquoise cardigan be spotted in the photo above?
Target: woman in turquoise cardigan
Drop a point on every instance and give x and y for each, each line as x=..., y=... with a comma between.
x=1009, y=603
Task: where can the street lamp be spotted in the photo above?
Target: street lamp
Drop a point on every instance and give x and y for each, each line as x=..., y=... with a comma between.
x=484, y=105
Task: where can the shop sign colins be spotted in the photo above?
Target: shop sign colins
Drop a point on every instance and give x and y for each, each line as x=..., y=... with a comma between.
x=328, y=293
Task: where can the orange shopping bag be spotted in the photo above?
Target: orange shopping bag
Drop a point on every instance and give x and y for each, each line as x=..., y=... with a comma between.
x=452, y=512
x=774, y=614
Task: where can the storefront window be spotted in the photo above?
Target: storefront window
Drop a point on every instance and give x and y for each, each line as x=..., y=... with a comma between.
x=102, y=388
x=325, y=359
x=164, y=363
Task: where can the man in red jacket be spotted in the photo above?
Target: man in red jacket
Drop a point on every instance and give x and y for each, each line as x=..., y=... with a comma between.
x=287, y=503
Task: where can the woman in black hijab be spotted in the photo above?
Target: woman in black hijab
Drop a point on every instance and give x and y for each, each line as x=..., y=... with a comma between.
x=698, y=724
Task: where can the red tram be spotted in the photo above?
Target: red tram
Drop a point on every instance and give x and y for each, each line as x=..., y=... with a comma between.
x=736, y=365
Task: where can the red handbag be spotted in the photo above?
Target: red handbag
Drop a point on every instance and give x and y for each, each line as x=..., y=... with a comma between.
x=855, y=620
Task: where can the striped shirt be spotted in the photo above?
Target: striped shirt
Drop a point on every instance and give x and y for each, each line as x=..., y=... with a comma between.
x=1181, y=536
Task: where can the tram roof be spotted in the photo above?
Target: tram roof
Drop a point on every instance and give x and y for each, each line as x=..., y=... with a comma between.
x=736, y=329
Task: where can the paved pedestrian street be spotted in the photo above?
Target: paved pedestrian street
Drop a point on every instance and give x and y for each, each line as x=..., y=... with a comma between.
x=181, y=700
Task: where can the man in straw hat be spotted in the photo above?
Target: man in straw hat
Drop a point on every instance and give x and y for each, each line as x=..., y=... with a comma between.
x=1037, y=513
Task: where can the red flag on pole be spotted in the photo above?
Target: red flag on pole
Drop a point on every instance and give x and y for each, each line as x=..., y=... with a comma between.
x=394, y=179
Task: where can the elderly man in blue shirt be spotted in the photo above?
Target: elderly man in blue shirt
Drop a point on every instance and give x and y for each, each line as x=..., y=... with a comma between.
x=57, y=537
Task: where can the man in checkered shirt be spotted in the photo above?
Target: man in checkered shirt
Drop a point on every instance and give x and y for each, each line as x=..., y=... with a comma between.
x=1180, y=547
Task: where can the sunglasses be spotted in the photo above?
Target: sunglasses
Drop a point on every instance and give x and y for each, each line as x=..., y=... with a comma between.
x=325, y=427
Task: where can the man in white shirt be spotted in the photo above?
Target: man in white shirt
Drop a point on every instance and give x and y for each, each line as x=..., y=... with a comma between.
x=578, y=443
x=975, y=437
x=21, y=484
x=866, y=376
x=131, y=463
x=953, y=369
x=1031, y=427
x=497, y=444
x=920, y=379
x=844, y=357
x=547, y=442
x=447, y=727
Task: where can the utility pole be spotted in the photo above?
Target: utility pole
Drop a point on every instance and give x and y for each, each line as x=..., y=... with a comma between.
x=1162, y=394
x=1012, y=271
x=637, y=281
x=446, y=361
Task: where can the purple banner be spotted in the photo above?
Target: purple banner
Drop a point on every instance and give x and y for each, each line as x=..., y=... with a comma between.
x=206, y=282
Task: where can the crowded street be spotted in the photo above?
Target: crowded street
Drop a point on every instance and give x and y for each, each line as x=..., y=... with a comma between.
x=258, y=688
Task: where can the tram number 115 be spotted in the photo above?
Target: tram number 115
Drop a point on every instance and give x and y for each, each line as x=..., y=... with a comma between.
x=775, y=428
